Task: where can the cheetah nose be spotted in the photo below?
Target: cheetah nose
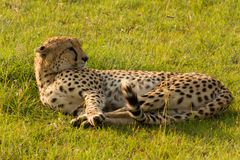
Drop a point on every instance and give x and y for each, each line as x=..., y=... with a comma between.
x=85, y=58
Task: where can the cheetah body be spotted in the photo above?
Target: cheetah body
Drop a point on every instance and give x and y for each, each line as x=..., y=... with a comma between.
x=66, y=93
x=147, y=97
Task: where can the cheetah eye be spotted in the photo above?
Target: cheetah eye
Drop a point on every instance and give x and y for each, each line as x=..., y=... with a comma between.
x=42, y=48
x=71, y=49
x=75, y=52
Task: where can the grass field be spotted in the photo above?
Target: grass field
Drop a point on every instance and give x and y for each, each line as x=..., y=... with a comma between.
x=183, y=36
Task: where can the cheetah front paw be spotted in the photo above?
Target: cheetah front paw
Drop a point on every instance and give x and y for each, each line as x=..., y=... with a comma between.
x=96, y=120
x=76, y=122
x=86, y=121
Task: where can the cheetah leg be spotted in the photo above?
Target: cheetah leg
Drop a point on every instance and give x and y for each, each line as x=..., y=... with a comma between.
x=94, y=104
x=120, y=121
x=94, y=115
x=117, y=117
x=120, y=113
x=217, y=106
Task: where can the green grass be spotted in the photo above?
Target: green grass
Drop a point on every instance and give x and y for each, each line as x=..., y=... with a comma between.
x=183, y=36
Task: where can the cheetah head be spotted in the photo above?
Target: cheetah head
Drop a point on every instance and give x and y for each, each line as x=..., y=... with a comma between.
x=60, y=53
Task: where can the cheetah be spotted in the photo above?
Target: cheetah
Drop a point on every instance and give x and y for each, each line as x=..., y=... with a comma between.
x=121, y=96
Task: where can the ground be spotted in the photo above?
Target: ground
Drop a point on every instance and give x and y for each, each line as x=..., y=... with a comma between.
x=202, y=36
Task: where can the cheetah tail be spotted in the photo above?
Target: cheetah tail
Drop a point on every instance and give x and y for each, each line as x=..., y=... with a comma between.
x=135, y=112
x=133, y=106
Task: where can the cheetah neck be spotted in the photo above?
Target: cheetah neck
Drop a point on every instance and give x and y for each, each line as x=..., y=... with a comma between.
x=44, y=77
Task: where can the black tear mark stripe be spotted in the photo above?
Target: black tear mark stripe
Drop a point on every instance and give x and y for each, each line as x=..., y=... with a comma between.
x=75, y=52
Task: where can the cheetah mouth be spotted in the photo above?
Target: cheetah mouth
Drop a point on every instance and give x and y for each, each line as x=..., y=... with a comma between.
x=78, y=65
x=75, y=65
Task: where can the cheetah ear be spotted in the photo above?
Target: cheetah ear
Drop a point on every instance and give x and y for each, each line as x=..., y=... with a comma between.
x=41, y=50
x=77, y=41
